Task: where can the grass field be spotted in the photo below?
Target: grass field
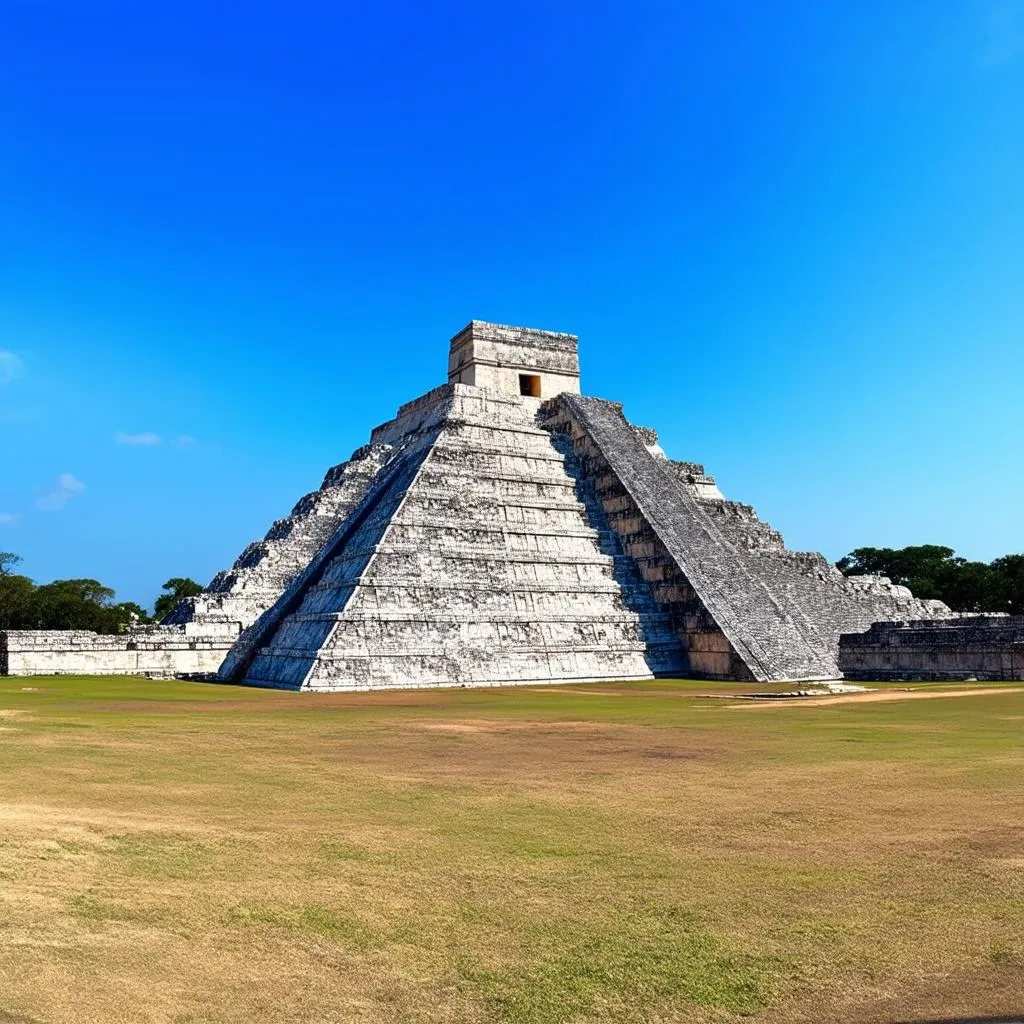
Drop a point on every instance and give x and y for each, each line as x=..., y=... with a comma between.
x=635, y=852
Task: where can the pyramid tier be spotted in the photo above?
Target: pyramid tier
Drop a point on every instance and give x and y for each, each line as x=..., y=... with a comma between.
x=491, y=567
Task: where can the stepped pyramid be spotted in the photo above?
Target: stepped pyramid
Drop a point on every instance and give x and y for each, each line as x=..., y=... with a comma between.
x=504, y=528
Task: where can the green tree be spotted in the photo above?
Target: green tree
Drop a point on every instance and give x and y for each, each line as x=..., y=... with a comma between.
x=933, y=571
x=64, y=604
x=1008, y=584
x=127, y=613
x=968, y=587
x=174, y=590
x=925, y=568
x=74, y=604
x=16, y=597
x=8, y=560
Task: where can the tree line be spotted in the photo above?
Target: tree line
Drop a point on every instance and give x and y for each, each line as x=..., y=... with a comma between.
x=933, y=571
x=77, y=604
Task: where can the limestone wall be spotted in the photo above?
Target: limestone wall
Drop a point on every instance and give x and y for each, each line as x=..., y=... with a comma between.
x=158, y=651
x=961, y=647
x=494, y=355
x=658, y=526
x=485, y=536
x=501, y=541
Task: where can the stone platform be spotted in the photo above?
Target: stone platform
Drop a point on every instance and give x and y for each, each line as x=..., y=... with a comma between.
x=475, y=559
x=983, y=647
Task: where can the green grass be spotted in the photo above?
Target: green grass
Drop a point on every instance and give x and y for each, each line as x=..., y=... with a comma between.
x=627, y=852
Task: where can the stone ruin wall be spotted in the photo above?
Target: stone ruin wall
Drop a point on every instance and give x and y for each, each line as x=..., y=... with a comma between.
x=498, y=545
x=484, y=537
x=161, y=652
x=989, y=647
x=493, y=355
x=620, y=463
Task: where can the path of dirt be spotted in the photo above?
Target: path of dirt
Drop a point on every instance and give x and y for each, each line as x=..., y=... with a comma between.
x=873, y=697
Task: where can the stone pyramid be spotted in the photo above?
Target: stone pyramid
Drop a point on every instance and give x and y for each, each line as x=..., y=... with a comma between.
x=505, y=529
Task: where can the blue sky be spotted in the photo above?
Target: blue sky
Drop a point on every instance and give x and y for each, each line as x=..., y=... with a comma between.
x=790, y=237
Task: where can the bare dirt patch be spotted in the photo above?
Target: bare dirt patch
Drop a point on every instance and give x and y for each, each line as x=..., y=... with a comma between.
x=281, y=700
x=874, y=697
x=501, y=726
x=572, y=690
x=45, y=819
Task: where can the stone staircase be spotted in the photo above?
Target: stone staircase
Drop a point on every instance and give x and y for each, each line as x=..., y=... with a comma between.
x=743, y=606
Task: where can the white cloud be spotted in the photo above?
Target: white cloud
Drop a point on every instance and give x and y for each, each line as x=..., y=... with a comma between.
x=7, y=518
x=68, y=485
x=145, y=438
x=11, y=366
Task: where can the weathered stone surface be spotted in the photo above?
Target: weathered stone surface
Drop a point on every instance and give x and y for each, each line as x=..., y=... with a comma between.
x=477, y=557
x=157, y=651
x=743, y=605
x=510, y=538
x=958, y=647
x=514, y=360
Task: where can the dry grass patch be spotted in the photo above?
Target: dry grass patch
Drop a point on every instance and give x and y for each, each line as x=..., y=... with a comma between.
x=176, y=852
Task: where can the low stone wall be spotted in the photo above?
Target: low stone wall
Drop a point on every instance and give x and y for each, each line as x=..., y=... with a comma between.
x=160, y=652
x=987, y=647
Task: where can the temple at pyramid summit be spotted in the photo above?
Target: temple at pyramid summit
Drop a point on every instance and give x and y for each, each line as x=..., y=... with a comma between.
x=504, y=528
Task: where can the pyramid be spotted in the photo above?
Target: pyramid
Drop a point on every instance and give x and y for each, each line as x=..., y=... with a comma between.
x=504, y=529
